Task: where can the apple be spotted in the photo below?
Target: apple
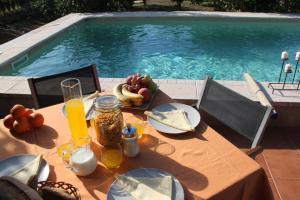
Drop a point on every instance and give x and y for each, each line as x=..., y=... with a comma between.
x=146, y=93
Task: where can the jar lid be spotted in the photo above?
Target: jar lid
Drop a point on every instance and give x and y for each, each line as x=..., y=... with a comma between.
x=106, y=102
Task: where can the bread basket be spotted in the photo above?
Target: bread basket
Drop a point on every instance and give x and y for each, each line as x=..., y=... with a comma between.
x=68, y=188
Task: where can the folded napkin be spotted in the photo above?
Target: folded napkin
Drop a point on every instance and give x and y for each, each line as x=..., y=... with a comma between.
x=176, y=119
x=88, y=102
x=28, y=171
x=147, y=188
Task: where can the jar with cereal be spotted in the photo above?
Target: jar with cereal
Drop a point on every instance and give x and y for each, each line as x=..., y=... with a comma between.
x=108, y=120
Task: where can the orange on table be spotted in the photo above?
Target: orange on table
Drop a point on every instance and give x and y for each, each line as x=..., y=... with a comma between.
x=36, y=120
x=8, y=121
x=22, y=119
x=21, y=125
x=17, y=111
x=27, y=112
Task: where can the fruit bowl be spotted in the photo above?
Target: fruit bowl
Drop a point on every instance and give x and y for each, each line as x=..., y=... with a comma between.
x=136, y=92
x=144, y=106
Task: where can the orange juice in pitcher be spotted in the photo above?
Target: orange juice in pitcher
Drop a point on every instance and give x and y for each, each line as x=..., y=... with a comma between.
x=72, y=94
x=76, y=119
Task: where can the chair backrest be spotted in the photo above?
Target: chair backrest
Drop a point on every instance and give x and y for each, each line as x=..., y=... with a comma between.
x=47, y=91
x=234, y=110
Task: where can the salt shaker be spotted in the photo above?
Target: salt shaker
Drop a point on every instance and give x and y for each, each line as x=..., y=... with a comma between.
x=130, y=146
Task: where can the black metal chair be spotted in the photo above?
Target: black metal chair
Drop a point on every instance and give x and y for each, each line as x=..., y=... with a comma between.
x=47, y=91
x=241, y=114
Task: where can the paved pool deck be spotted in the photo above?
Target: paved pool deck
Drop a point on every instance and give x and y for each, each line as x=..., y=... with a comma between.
x=176, y=88
x=15, y=89
x=190, y=90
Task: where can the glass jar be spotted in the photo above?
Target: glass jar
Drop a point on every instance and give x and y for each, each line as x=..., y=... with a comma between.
x=130, y=145
x=108, y=120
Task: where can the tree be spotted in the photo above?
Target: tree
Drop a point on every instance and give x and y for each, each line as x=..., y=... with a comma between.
x=178, y=2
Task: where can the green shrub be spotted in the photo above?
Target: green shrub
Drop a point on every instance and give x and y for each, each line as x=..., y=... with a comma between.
x=56, y=8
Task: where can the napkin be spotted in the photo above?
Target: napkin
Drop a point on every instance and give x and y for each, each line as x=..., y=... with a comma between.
x=88, y=102
x=149, y=188
x=176, y=119
x=25, y=173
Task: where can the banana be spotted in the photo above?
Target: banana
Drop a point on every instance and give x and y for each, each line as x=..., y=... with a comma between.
x=126, y=104
x=117, y=91
x=137, y=103
x=127, y=98
x=131, y=95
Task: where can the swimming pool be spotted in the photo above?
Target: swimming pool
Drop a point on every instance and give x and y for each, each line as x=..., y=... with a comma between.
x=176, y=48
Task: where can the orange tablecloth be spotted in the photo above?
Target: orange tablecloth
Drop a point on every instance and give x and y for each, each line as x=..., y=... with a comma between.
x=206, y=164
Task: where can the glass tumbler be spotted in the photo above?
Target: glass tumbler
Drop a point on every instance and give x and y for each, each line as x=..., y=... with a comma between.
x=112, y=155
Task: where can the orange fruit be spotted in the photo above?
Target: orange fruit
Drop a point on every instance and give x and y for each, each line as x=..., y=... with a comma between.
x=8, y=121
x=21, y=125
x=36, y=120
x=27, y=112
x=17, y=111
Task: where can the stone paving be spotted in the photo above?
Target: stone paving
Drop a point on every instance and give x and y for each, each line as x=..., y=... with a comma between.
x=175, y=88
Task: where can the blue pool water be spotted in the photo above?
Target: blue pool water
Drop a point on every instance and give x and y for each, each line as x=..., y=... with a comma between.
x=169, y=48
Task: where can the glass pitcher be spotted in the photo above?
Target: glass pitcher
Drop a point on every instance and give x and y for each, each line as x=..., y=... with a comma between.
x=72, y=94
x=81, y=159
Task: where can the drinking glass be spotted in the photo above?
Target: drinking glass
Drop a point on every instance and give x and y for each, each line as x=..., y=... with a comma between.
x=71, y=90
x=112, y=155
x=138, y=122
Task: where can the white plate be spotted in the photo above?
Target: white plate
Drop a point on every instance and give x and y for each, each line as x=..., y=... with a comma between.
x=192, y=114
x=88, y=115
x=11, y=164
x=117, y=192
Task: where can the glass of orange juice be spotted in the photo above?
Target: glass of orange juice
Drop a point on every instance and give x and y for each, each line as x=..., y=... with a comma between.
x=112, y=155
x=75, y=114
x=138, y=122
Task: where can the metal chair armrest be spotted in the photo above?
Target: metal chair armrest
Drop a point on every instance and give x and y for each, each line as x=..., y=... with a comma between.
x=253, y=152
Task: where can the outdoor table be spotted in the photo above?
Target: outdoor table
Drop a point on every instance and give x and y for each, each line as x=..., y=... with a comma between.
x=206, y=164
